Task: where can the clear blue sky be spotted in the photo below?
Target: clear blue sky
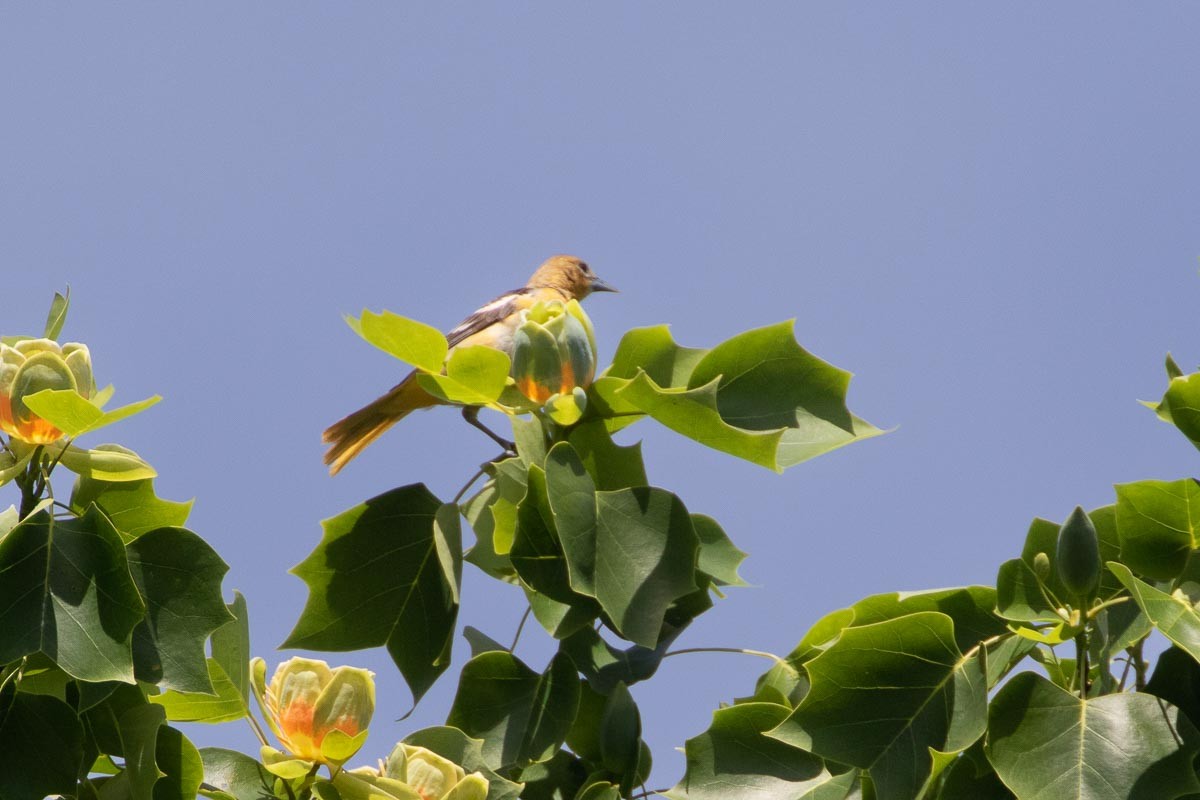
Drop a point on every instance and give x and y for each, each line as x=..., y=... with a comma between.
x=988, y=213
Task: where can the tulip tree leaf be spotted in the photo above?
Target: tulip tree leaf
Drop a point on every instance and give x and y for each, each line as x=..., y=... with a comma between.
x=653, y=351
x=1125, y=745
x=605, y=666
x=1173, y=614
x=74, y=415
x=180, y=763
x=735, y=758
x=139, y=728
x=571, y=494
x=474, y=376
x=1181, y=404
x=66, y=591
x=412, y=342
x=179, y=575
x=106, y=462
x=225, y=705
x=12, y=465
x=42, y=741
x=57, y=316
x=719, y=558
x=238, y=775
x=1159, y=525
x=611, y=466
x=453, y=744
x=970, y=607
x=1021, y=597
x=521, y=716
x=131, y=506
x=378, y=578
x=884, y=695
x=231, y=647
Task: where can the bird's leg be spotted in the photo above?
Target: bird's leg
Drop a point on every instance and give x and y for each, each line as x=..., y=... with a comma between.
x=471, y=415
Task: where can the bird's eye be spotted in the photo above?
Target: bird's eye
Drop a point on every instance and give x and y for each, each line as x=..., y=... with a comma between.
x=586, y=269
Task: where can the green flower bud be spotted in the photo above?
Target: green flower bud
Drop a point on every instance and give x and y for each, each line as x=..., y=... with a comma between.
x=1041, y=566
x=554, y=352
x=1078, y=556
x=319, y=714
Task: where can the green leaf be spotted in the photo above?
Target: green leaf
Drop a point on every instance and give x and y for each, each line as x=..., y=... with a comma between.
x=12, y=465
x=66, y=591
x=1021, y=597
x=883, y=695
x=179, y=576
x=238, y=775
x=559, y=619
x=571, y=494
x=225, y=705
x=646, y=552
x=75, y=415
x=455, y=745
x=107, y=462
x=9, y=518
x=131, y=506
x=521, y=716
x=58, y=315
x=1159, y=525
x=1176, y=679
x=735, y=758
x=653, y=351
x=474, y=376
x=480, y=642
x=1181, y=404
x=180, y=762
x=42, y=744
x=605, y=666
x=139, y=728
x=480, y=513
x=231, y=648
x=378, y=578
x=412, y=342
x=611, y=466
x=621, y=736
x=972, y=776
x=718, y=558
x=563, y=776
x=1084, y=748
x=1174, y=614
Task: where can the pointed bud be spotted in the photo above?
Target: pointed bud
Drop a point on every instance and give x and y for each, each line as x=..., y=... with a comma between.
x=1078, y=556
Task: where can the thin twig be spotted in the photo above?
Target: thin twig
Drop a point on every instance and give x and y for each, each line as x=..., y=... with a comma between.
x=520, y=627
x=741, y=650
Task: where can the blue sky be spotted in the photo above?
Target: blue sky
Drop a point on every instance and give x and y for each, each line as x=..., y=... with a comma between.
x=988, y=214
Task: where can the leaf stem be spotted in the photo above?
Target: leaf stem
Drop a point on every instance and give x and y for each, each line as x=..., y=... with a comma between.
x=520, y=627
x=15, y=673
x=1081, y=663
x=258, y=731
x=471, y=482
x=1139, y=665
x=741, y=650
x=1107, y=604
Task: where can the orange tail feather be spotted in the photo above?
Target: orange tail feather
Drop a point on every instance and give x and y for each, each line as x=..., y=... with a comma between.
x=348, y=436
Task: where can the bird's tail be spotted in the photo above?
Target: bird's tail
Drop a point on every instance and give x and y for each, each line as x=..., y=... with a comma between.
x=348, y=436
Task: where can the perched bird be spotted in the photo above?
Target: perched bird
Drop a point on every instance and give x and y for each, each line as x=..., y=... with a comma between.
x=493, y=325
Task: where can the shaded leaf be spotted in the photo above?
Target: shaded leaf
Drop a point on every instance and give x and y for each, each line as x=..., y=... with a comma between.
x=138, y=728
x=1159, y=525
x=66, y=591
x=377, y=578
x=180, y=763
x=179, y=576
x=883, y=695
x=1084, y=748
x=611, y=466
x=734, y=758
x=1176, y=679
x=42, y=745
x=231, y=647
x=605, y=666
x=972, y=776
x=238, y=775
x=621, y=736
x=521, y=716
x=480, y=642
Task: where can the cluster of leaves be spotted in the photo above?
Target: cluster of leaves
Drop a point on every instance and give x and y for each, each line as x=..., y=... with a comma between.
x=1038, y=689
x=106, y=605
x=613, y=568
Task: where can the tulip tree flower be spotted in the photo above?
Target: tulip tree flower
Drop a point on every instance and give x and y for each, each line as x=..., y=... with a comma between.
x=432, y=776
x=33, y=365
x=319, y=714
x=554, y=358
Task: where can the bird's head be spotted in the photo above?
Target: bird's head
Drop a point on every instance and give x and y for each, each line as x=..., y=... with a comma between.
x=570, y=275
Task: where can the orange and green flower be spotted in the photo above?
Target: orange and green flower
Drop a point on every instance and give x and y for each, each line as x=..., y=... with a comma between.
x=554, y=358
x=319, y=714
x=30, y=366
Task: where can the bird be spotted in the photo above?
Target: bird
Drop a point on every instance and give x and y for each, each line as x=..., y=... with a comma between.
x=560, y=277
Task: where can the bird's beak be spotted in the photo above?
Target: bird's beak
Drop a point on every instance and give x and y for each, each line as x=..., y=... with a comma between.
x=600, y=286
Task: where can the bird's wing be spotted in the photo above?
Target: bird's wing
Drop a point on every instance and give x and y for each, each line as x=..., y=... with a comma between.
x=487, y=315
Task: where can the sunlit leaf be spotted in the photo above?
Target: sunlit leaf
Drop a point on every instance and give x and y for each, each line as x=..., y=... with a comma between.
x=238, y=775
x=412, y=342
x=107, y=462
x=883, y=695
x=131, y=506
x=231, y=647
x=1173, y=614
x=57, y=316
x=75, y=415
x=378, y=578
x=225, y=705
x=66, y=591
x=1087, y=749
